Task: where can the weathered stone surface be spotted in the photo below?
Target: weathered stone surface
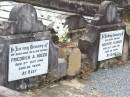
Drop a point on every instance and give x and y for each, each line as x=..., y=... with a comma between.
x=125, y=55
x=83, y=44
x=74, y=64
x=8, y=40
x=53, y=57
x=75, y=22
x=87, y=39
x=108, y=10
x=5, y=92
x=64, y=52
x=53, y=49
x=62, y=68
x=61, y=52
x=87, y=7
x=25, y=23
x=54, y=69
x=59, y=71
x=7, y=27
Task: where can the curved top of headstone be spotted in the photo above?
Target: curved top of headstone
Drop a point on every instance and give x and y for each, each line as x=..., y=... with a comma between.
x=108, y=10
x=21, y=10
x=25, y=16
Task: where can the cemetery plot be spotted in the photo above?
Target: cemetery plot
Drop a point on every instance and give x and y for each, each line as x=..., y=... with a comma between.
x=111, y=44
x=28, y=59
x=22, y=63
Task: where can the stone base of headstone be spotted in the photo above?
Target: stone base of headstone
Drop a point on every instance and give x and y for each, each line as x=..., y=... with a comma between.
x=8, y=40
x=91, y=48
x=27, y=82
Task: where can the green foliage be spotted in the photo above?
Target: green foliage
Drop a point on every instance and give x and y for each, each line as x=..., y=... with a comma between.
x=128, y=30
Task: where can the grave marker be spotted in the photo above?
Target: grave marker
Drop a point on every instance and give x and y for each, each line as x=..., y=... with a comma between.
x=28, y=59
x=26, y=49
x=106, y=36
x=110, y=44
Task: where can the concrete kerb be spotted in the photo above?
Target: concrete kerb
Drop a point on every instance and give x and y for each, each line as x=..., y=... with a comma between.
x=6, y=92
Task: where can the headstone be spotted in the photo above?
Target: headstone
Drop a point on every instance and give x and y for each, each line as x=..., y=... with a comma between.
x=25, y=22
x=109, y=11
x=27, y=53
x=106, y=37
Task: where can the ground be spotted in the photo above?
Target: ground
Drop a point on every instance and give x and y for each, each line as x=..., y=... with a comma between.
x=113, y=82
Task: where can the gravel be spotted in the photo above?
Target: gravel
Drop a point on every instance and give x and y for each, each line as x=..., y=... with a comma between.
x=113, y=82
